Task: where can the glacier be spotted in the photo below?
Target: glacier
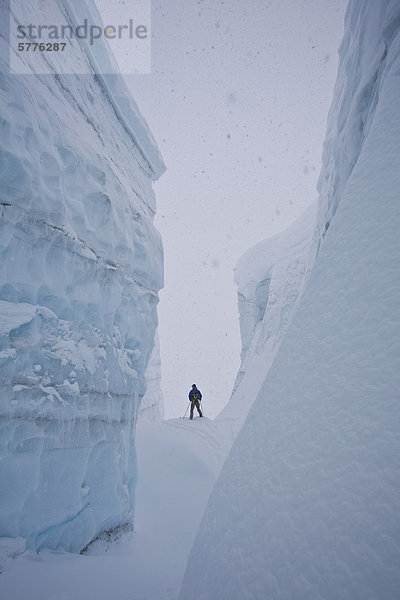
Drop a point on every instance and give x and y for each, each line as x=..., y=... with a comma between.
x=307, y=503
x=81, y=264
x=270, y=278
x=152, y=404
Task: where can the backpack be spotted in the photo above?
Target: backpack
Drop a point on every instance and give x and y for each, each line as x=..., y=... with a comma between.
x=195, y=395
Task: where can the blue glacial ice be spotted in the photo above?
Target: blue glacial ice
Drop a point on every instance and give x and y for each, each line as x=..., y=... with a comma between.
x=81, y=264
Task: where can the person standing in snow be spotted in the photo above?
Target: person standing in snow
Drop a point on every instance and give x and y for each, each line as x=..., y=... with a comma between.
x=195, y=399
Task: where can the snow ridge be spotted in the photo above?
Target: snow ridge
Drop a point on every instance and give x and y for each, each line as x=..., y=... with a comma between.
x=365, y=60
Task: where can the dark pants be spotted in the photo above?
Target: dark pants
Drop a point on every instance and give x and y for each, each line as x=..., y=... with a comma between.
x=195, y=403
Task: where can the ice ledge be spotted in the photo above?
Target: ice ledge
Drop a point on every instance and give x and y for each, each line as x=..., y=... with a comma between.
x=126, y=109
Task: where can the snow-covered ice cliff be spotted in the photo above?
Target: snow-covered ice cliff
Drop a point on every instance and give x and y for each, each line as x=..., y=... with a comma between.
x=307, y=504
x=81, y=265
x=270, y=278
x=152, y=404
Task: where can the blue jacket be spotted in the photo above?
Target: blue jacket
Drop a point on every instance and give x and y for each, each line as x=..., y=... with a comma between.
x=192, y=391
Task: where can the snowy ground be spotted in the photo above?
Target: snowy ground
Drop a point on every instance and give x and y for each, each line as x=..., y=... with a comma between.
x=178, y=462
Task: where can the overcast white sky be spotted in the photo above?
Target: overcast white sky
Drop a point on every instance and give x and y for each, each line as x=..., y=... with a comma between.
x=237, y=100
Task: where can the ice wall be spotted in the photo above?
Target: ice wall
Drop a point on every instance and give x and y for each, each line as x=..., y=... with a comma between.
x=307, y=504
x=270, y=278
x=366, y=54
x=152, y=404
x=80, y=268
